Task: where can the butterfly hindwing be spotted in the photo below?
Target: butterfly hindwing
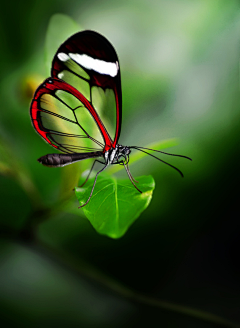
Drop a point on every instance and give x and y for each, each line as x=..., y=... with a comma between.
x=65, y=118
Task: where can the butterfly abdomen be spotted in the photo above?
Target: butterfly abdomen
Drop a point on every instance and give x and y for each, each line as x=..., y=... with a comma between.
x=58, y=160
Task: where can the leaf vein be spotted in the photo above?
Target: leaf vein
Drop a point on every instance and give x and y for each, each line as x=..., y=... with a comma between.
x=102, y=189
x=116, y=201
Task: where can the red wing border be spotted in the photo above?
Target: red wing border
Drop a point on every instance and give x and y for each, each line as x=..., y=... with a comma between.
x=67, y=134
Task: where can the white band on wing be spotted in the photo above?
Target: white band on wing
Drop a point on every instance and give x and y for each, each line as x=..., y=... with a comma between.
x=88, y=62
x=62, y=56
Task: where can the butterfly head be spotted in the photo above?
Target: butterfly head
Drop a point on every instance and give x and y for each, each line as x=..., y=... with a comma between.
x=122, y=154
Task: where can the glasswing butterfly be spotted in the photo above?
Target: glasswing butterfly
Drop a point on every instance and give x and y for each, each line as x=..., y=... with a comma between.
x=78, y=110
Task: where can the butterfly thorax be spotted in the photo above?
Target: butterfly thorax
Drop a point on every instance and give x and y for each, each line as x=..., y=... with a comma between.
x=117, y=155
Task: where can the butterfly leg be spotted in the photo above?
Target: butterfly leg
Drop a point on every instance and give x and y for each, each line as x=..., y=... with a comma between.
x=90, y=172
x=130, y=173
x=93, y=186
x=130, y=177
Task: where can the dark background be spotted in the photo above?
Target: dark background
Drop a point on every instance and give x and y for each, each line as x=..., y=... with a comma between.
x=179, y=63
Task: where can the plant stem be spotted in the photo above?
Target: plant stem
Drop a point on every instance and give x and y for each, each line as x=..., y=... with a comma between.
x=77, y=268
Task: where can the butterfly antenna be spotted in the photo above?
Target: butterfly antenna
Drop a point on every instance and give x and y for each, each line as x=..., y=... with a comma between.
x=130, y=172
x=130, y=176
x=175, y=168
x=93, y=186
x=163, y=152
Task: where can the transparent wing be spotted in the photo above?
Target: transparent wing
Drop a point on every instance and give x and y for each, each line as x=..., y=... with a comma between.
x=89, y=63
x=66, y=119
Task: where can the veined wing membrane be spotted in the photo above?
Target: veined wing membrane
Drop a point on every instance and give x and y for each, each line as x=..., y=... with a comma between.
x=89, y=63
x=63, y=120
x=77, y=82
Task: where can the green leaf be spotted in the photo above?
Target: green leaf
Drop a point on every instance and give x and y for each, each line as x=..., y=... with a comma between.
x=59, y=29
x=115, y=204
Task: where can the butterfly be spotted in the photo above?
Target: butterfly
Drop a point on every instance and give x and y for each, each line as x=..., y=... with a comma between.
x=78, y=110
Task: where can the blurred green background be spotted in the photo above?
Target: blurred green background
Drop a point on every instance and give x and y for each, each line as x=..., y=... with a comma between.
x=179, y=64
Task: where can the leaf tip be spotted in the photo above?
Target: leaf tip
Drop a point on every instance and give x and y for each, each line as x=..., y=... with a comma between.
x=147, y=194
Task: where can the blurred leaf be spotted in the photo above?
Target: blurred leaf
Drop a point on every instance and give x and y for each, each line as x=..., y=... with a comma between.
x=28, y=86
x=11, y=166
x=59, y=29
x=70, y=176
x=5, y=159
x=115, y=204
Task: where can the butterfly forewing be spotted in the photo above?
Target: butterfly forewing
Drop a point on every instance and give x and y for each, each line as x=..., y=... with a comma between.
x=89, y=63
